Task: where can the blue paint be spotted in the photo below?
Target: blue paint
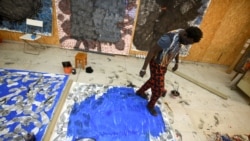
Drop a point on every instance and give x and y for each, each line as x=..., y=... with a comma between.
x=33, y=36
x=118, y=115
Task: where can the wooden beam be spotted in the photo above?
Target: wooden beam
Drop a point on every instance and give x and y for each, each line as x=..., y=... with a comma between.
x=57, y=112
x=199, y=84
x=243, y=50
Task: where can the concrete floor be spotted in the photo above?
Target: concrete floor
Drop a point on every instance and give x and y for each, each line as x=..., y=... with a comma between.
x=196, y=113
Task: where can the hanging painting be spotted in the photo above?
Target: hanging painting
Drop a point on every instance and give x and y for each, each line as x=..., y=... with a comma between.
x=13, y=14
x=160, y=16
x=99, y=26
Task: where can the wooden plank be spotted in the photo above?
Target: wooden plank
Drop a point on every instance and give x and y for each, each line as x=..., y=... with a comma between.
x=200, y=84
x=133, y=31
x=244, y=83
x=231, y=67
x=34, y=22
x=57, y=112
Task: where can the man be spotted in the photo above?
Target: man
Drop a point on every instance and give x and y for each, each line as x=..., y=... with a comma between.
x=159, y=56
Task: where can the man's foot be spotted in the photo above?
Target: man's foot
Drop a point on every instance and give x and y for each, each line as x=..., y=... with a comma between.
x=152, y=111
x=144, y=96
x=164, y=93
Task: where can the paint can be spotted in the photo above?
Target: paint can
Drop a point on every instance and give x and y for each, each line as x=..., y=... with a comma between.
x=67, y=67
x=74, y=71
x=175, y=93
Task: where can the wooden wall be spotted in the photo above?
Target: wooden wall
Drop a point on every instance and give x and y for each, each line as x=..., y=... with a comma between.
x=50, y=40
x=226, y=27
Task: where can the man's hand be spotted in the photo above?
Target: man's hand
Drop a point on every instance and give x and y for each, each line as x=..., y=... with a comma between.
x=175, y=67
x=142, y=73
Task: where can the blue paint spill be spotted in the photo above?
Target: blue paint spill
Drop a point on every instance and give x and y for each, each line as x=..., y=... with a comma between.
x=118, y=115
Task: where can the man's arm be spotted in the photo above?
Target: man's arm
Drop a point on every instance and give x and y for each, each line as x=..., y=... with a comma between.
x=176, y=62
x=151, y=53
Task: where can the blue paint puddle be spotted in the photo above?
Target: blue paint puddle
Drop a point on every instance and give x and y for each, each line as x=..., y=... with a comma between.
x=118, y=115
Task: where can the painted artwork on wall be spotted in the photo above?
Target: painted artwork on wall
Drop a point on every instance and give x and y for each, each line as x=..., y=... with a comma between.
x=27, y=103
x=105, y=113
x=107, y=26
x=160, y=16
x=13, y=15
x=99, y=26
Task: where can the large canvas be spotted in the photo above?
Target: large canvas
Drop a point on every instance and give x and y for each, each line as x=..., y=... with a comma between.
x=27, y=102
x=161, y=16
x=13, y=15
x=105, y=113
x=99, y=26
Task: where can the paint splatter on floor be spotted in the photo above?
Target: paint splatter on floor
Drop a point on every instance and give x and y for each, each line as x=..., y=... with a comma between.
x=217, y=136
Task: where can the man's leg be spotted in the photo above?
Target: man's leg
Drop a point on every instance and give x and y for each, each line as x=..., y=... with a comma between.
x=157, y=87
x=164, y=92
x=148, y=84
x=141, y=91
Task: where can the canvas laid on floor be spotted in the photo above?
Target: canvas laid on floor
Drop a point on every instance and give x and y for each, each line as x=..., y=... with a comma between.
x=104, y=113
x=27, y=102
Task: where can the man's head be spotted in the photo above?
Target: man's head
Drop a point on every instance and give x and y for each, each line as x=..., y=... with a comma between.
x=190, y=35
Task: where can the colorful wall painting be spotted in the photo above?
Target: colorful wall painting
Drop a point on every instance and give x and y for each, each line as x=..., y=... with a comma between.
x=99, y=26
x=101, y=113
x=160, y=16
x=27, y=102
x=13, y=15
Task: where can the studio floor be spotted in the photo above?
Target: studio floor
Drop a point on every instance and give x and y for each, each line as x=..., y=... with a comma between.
x=195, y=115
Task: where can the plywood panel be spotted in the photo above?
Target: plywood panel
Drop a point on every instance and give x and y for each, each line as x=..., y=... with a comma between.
x=52, y=40
x=210, y=25
x=226, y=28
x=242, y=33
x=232, y=32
